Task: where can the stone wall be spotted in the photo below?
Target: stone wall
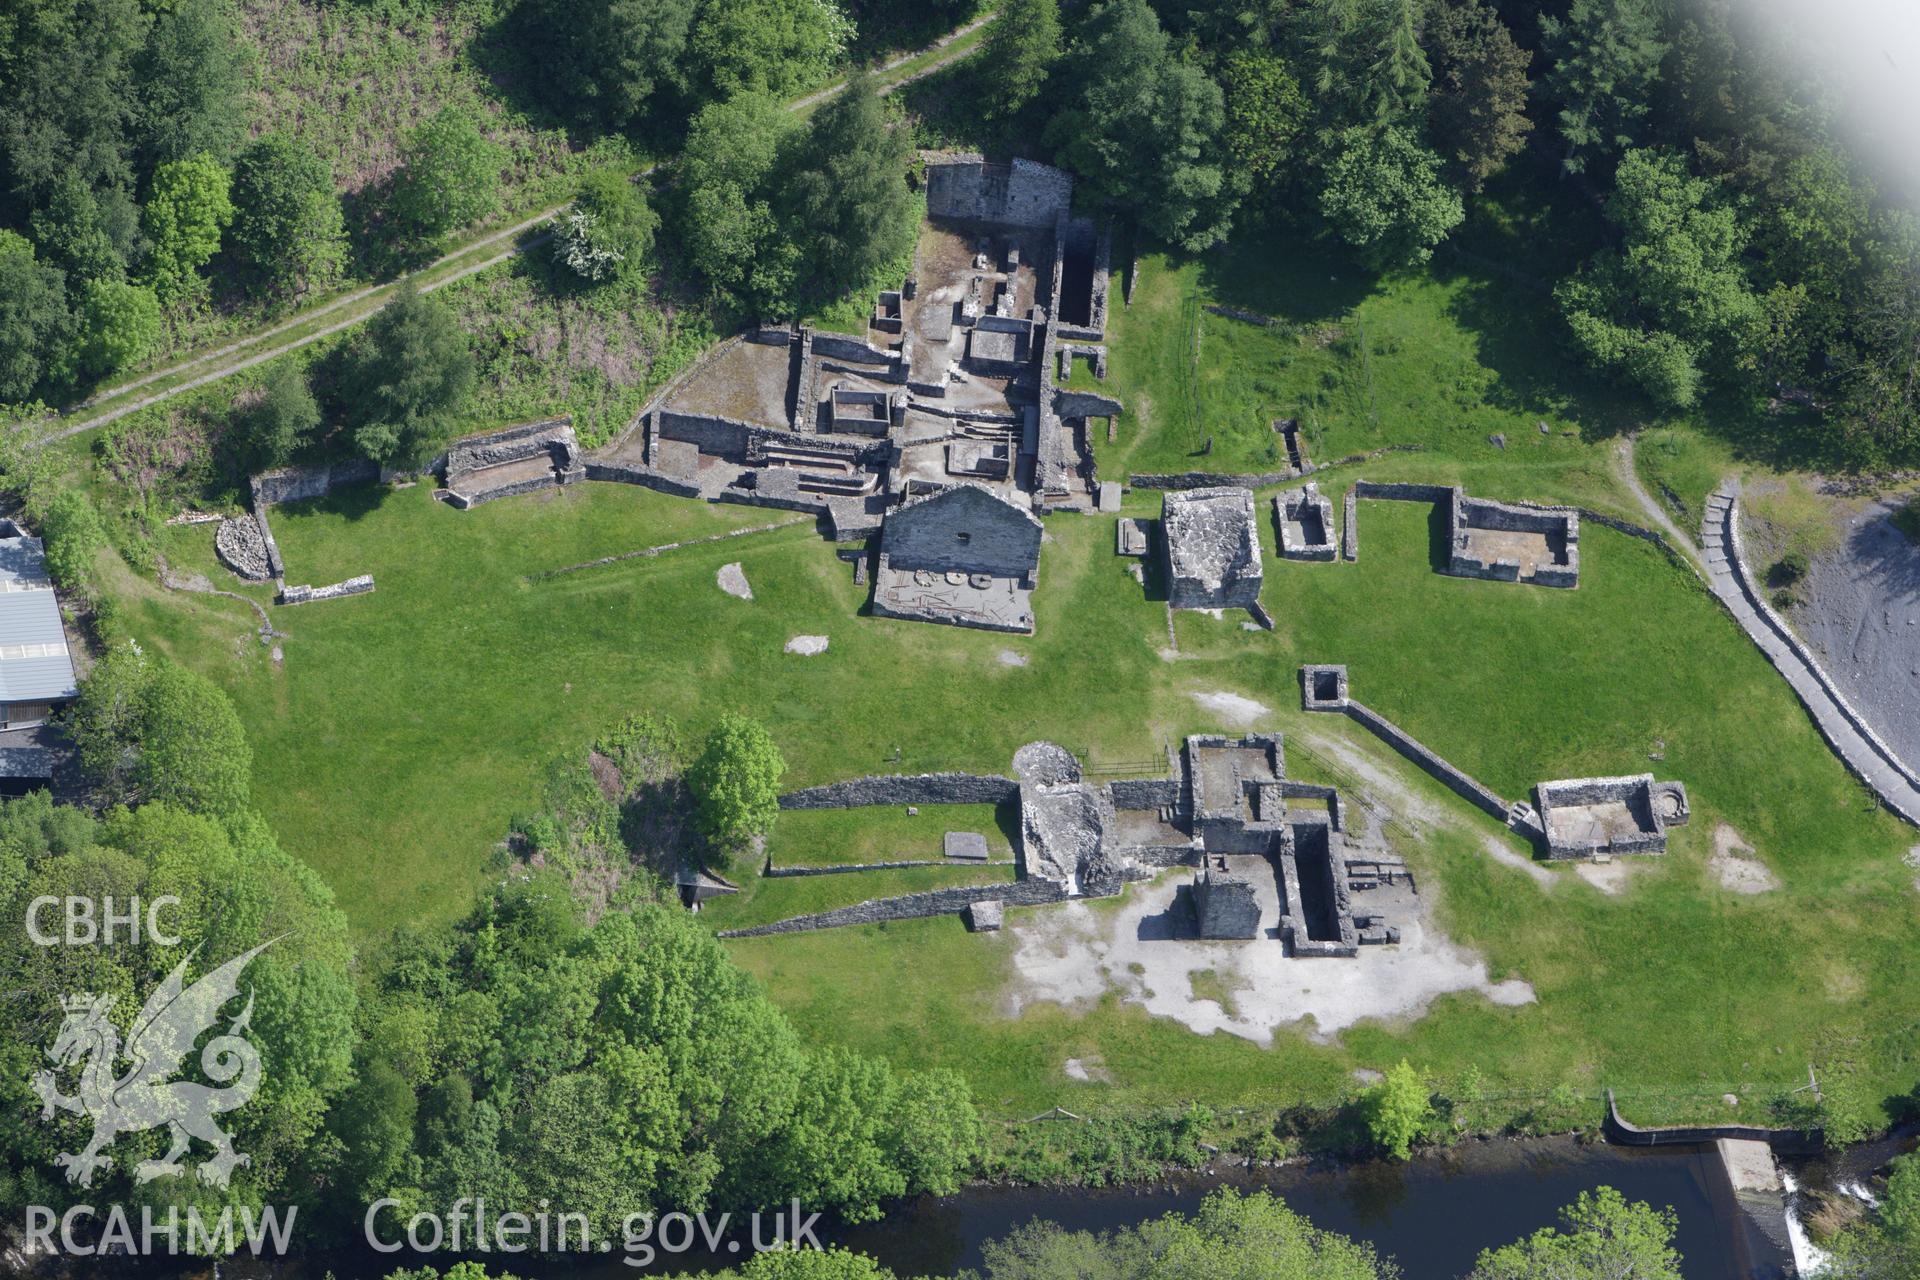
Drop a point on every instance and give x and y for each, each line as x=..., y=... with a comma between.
x=510, y=444
x=1465, y=513
x=1145, y=793
x=292, y=484
x=916, y=788
x=351, y=587
x=852, y=867
x=913, y=906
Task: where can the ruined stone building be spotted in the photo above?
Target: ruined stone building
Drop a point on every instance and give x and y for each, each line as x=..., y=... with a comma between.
x=1270, y=853
x=1212, y=548
x=953, y=385
x=961, y=555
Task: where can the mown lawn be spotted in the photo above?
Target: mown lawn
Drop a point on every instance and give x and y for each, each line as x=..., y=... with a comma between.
x=404, y=729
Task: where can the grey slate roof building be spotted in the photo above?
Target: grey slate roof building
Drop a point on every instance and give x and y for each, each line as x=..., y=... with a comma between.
x=36, y=671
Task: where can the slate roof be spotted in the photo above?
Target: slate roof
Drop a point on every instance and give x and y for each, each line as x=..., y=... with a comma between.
x=34, y=663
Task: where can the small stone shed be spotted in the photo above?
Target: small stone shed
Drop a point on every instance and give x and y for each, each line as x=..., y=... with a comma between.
x=1304, y=517
x=1212, y=548
x=962, y=555
x=1602, y=817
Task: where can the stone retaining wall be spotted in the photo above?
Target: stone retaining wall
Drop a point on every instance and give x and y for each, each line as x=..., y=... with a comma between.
x=1145, y=793
x=914, y=906
x=918, y=788
x=463, y=501
x=629, y=473
x=1797, y=1141
x=1737, y=555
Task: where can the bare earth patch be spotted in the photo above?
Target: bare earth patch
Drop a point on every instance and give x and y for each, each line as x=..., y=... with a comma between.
x=1008, y=658
x=1232, y=708
x=1913, y=864
x=1611, y=878
x=1089, y=1070
x=1073, y=955
x=807, y=646
x=1737, y=866
x=733, y=581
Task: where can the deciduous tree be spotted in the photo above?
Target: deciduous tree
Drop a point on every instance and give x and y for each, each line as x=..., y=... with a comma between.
x=609, y=231
x=1385, y=199
x=287, y=226
x=186, y=213
x=119, y=325
x=1672, y=298
x=449, y=175
x=1601, y=1237
x=728, y=173
x=736, y=781
x=269, y=432
x=601, y=61
x=775, y=47
x=407, y=374
x=1396, y=1109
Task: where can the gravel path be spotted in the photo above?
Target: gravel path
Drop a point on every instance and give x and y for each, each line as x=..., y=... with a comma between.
x=1862, y=618
x=1629, y=478
x=1846, y=731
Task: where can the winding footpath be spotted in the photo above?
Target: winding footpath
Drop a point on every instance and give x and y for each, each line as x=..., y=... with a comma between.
x=244, y=353
x=1868, y=757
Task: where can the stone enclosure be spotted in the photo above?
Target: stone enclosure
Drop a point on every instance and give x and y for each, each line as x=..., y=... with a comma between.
x=1498, y=541
x=1304, y=520
x=1603, y=817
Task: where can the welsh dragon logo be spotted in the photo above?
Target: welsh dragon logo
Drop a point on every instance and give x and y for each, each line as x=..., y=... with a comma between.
x=146, y=1096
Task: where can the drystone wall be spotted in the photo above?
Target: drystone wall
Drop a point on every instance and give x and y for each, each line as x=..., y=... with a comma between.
x=917, y=788
x=914, y=906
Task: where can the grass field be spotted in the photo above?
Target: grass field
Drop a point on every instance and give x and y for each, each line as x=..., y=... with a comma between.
x=404, y=729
